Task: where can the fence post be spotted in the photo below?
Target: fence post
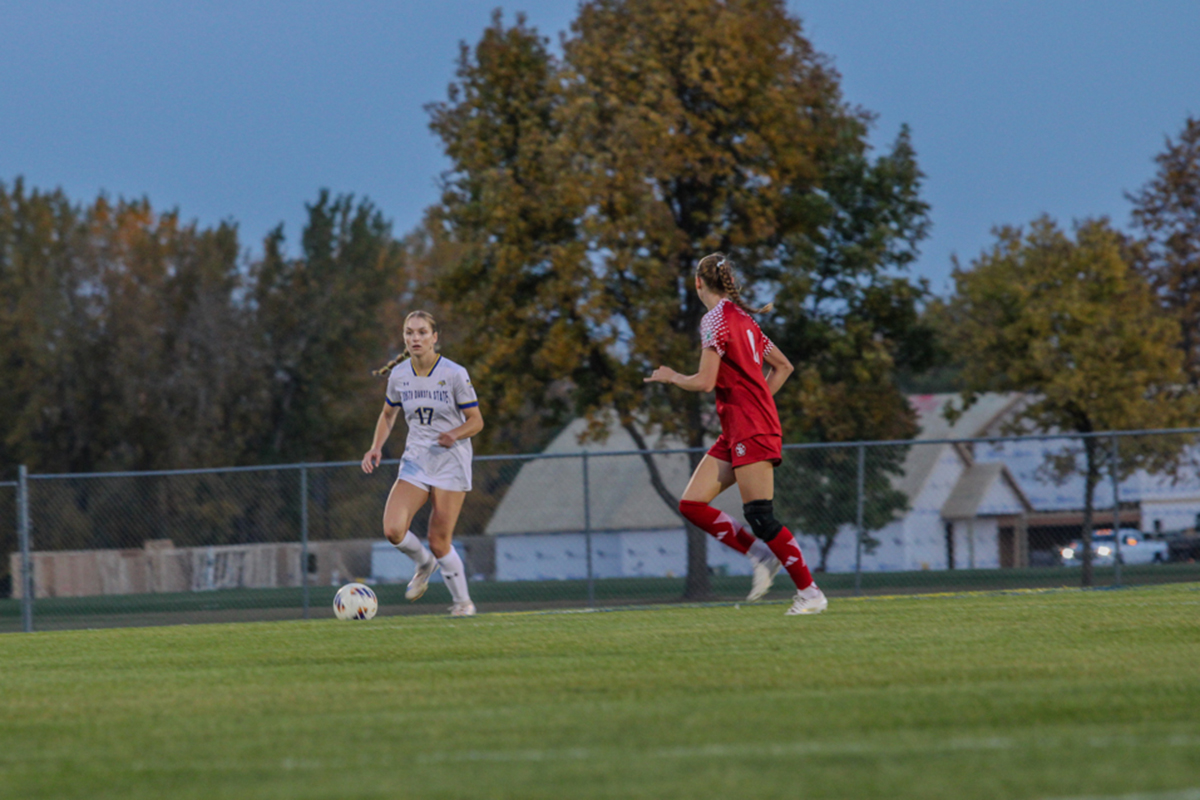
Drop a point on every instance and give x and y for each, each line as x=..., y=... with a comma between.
x=26, y=559
x=858, y=519
x=587, y=532
x=304, y=536
x=1116, y=515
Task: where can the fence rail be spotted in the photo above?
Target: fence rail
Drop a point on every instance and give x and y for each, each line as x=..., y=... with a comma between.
x=588, y=527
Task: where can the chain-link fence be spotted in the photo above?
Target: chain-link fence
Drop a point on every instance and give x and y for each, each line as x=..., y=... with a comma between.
x=575, y=529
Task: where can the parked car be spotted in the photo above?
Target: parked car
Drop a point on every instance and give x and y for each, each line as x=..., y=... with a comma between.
x=1136, y=548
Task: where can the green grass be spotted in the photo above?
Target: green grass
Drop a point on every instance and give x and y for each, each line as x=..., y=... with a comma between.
x=1020, y=695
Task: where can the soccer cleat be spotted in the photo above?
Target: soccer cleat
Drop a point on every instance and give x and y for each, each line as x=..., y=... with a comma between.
x=463, y=609
x=764, y=576
x=808, y=601
x=420, y=580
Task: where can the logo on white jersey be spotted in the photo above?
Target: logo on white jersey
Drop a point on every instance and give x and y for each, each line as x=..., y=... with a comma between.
x=740, y=449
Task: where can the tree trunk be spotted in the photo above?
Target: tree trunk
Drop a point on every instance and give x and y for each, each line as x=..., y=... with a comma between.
x=697, y=586
x=823, y=548
x=1089, y=497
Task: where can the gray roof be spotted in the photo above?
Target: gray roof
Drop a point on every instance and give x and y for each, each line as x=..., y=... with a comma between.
x=972, y=487
x=930, y=408
x=547, y=494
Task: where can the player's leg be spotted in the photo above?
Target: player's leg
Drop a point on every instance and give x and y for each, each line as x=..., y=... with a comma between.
x=447, y=505
x=404, y=501
x=713, y=476
x=756, y=482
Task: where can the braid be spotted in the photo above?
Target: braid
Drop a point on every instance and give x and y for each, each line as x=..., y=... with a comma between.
x=386, y=369
x=716, y=272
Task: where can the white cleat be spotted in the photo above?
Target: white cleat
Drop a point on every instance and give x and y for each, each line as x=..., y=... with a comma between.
x=764, y=576
x=808, y=601
x=420, y=580
x=464, y=609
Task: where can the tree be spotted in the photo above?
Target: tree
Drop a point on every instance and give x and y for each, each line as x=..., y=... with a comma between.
x=318, y=318
x=124, y=345
x=42, y=328
x=503, y=248
x=1167, y=211
x=1073, y=324
x=584, y=191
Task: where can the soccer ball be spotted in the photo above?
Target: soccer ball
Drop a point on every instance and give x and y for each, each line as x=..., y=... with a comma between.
x=355, y=601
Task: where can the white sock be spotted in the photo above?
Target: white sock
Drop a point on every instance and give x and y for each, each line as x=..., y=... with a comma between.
x=455, y=576
x=759, y=552
x=411, y=546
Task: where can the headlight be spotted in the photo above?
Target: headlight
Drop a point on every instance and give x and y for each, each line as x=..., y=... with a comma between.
x=1103, y=550
x=1068, y=553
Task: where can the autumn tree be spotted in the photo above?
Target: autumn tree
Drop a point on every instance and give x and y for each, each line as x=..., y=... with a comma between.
x=125, y=347
x=503, y=247
x=584, y=190
x=1167, y=213
x=1071, y=323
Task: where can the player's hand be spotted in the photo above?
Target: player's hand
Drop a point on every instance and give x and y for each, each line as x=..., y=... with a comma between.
x=662, y=375
x=371, y=460
x=446, y=439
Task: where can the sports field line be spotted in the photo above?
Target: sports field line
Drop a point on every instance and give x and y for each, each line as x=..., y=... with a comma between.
x=740, y=750
x=1182, y=794
x=804, y=748
x=859, y=599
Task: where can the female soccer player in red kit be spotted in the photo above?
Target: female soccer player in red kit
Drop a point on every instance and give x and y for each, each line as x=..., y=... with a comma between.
x=750, y=446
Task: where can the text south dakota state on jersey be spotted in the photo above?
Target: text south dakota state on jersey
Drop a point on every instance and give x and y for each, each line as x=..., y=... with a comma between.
x=439, y=395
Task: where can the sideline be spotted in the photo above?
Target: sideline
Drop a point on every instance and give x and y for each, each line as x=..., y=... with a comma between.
x=1188, y=585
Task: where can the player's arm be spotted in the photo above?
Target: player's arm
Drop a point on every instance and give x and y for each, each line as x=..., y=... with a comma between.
x=704, y=380
x=383, y=429
x=472, y=426
x=780, y=369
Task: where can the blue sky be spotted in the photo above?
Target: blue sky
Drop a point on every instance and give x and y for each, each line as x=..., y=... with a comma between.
x=235, y=110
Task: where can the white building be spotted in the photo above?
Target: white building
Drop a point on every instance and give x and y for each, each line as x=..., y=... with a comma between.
x=969, y=505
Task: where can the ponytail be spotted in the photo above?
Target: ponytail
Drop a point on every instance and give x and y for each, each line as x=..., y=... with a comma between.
x=386, y=369
x=717, y=274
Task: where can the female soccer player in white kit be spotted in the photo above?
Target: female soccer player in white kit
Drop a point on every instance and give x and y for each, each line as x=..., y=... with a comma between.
x=442, y=413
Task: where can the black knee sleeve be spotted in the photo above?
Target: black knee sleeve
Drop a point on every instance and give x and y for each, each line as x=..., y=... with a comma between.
x=761, y=516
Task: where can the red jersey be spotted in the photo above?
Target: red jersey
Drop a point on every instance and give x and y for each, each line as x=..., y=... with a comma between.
x=744, y=403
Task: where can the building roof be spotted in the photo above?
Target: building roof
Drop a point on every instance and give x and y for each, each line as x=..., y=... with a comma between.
x=985, y=490
x=931, y=408
x=547, y=494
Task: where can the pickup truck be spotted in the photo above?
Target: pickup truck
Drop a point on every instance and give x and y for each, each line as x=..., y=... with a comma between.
x=1135, y=549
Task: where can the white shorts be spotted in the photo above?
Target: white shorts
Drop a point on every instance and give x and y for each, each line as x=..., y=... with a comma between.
x=451, y=478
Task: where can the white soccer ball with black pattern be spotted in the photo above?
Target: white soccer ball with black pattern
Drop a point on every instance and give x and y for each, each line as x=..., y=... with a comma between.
x=355, y=601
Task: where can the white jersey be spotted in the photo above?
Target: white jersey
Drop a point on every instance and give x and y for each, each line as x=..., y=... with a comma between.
x=433, y=403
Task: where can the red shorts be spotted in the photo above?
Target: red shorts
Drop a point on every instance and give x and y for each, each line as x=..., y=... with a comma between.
x=763, y=447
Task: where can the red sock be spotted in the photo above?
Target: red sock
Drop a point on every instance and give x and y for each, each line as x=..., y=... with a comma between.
x=717, y=524
x=788, y=552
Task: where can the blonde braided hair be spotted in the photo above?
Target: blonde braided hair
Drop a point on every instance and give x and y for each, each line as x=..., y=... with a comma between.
x=387, y=368
x=717, y=274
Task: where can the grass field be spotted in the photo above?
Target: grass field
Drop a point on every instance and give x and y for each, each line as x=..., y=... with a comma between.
x=1057, y=694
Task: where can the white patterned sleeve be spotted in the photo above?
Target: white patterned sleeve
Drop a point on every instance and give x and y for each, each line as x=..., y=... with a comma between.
x=713, y=331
